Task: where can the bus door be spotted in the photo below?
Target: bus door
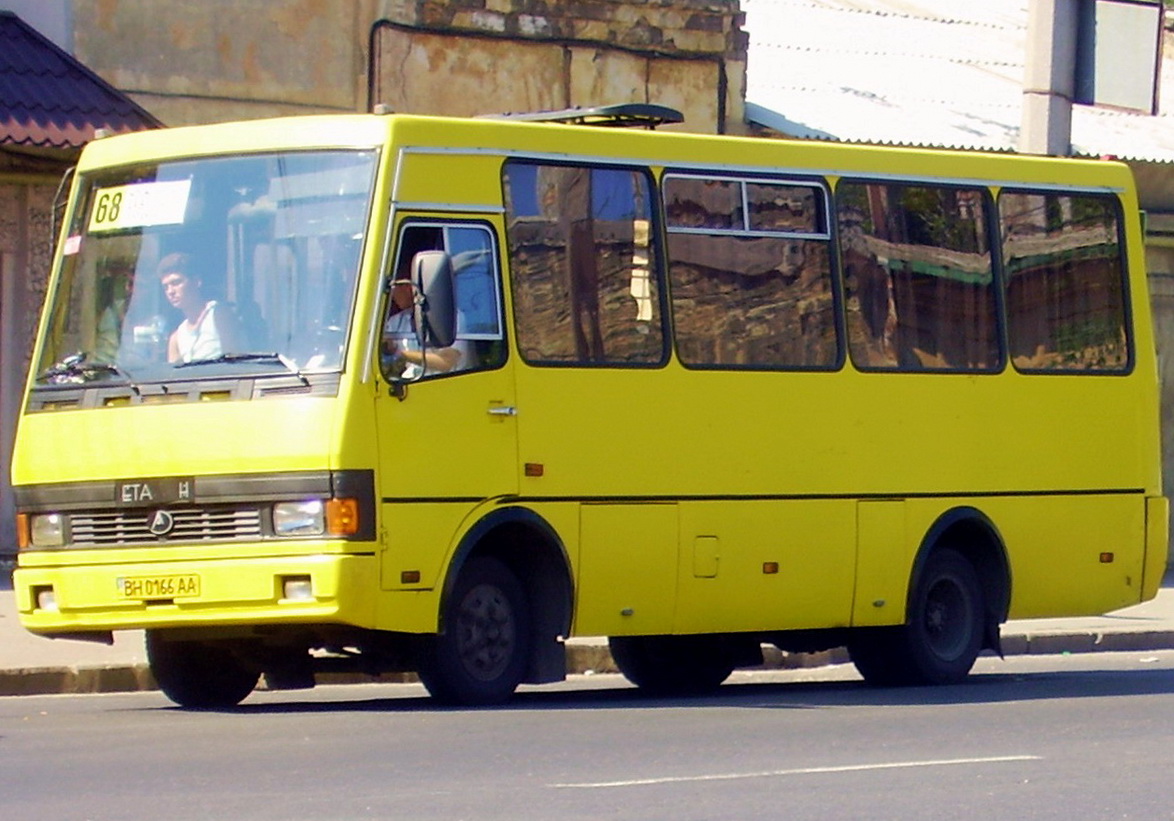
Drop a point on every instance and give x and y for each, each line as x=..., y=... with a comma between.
x=448, y=441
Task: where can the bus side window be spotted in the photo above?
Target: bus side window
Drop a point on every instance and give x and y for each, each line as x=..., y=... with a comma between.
x=582, y=265
x=751, y=273
x=480, y=341
x=478, y=295
x=918, y=277
x=1065, y=282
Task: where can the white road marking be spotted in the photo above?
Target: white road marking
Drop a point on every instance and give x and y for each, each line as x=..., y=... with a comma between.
x=847, y=768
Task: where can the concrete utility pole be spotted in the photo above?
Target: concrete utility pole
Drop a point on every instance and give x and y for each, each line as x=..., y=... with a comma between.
x=1049, y=83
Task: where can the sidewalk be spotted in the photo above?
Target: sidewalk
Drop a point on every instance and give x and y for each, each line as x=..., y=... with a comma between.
x=30, y=665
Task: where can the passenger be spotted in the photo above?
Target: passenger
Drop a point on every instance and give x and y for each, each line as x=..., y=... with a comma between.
x=114, y=287
x=206, y=331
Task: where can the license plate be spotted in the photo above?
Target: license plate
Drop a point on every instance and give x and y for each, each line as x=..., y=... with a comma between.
x=159, y=587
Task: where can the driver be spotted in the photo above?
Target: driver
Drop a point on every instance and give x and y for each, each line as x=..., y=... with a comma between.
x=206, y=330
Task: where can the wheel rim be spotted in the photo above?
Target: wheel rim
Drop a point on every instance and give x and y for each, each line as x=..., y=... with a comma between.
x=486, y=639
x=947, y=619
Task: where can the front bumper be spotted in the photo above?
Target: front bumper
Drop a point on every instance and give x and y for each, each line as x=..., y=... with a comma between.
x=235, y=592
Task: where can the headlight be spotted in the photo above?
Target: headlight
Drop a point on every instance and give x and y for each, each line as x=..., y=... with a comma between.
x=299, y=518
x=47, y=530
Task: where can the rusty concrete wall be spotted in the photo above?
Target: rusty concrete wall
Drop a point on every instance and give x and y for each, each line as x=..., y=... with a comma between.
x=237, y=59
x=226, y=59
x=484, y=56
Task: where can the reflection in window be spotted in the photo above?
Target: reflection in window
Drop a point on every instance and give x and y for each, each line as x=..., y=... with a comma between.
x=581, y=265
x=750, y=273
x=790, y=208
x=703, y=203
x=1065, y=282
x=919, y=287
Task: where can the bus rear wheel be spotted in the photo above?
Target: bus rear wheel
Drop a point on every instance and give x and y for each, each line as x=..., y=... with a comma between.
x=942, y=636
x=483, y=652
x=672, y=665
x=199, y=675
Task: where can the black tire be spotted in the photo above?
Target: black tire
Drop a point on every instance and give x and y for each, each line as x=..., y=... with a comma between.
x=199, y=675
x=484, y=651
x=942, y=637
x=673, y=665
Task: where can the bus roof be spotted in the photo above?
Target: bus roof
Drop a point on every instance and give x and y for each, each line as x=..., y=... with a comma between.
x=554, y=140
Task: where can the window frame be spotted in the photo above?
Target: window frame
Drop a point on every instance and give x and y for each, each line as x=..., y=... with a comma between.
x=656, y=267
x=1125, y=268
x=993, y=234
x=444, y=224
x=825, y=200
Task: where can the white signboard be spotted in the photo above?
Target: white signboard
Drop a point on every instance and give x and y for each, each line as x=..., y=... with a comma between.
x=1119, y=53
x=138, y=205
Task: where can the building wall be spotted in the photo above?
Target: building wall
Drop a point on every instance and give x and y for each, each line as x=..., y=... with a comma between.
x=237, y=59
x=220, y=60
x=512, y=55
x=26, y=244
x=1160, y=266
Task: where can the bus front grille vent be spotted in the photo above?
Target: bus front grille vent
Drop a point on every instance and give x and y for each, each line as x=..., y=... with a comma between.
x=189, y=524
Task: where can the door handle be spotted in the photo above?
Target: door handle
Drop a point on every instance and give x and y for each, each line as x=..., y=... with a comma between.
x=503, y=410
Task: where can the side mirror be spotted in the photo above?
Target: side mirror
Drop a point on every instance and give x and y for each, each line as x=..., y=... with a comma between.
x=436, y=313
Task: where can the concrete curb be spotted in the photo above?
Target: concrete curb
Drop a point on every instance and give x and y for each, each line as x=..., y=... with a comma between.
x=39, y=681
x=1040, y=644
x=582, y=658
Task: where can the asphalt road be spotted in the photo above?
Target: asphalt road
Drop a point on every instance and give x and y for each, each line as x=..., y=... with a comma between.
x=1050, y=737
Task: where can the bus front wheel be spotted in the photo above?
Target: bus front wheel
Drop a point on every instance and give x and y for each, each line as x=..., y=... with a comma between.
x=942, y=635
x=482, y=654
x=199, y=675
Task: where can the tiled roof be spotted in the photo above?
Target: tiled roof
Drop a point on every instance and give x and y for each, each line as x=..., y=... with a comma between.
x=941, y=73
x=48, y=99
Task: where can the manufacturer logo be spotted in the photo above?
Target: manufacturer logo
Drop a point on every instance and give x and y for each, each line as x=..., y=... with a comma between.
x=162, y=523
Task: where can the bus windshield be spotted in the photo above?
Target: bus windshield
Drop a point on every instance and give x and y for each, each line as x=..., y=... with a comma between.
x=209, y=268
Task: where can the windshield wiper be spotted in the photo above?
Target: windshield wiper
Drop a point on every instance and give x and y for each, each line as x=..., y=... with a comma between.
x=75, y=370
x=232, y=358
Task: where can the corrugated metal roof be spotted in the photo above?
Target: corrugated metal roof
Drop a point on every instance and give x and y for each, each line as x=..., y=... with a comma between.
x=944, y=73
x=48, y=99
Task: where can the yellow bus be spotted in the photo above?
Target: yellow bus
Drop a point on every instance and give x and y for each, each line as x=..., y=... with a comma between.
x=383, y=392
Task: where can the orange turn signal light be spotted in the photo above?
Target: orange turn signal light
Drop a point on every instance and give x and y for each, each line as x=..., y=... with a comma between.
x=342, y=517
x=22, y=531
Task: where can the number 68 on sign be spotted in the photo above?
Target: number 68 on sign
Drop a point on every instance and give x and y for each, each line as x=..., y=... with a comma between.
x=139, y=204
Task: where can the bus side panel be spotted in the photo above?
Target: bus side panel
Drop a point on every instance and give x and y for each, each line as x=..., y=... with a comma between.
x=417, y=541
x=627, y=569
x=429, y=535
x=883, y=561
x=1059, y=548
x=1157, y=544
x=765, y=565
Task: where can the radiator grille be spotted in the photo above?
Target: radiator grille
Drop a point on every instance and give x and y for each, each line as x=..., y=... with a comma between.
x=191, y=525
